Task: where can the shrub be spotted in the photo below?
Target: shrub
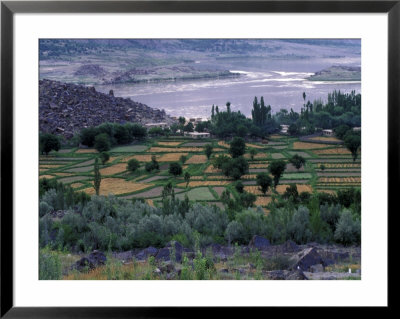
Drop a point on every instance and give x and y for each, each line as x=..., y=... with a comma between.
x=348, y=229
x=175, y=169
x=49, y=265
x=234, y=232
x=44, y=208
x=299, y=226
x=247, y=199
x=133, y=165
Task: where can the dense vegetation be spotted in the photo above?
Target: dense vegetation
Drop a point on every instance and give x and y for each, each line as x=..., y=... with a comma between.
x=110, y=223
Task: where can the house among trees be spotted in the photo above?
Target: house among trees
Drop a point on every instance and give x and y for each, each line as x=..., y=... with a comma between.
x=197, y=135
x=356, y=129
x=328, y=132
x=284, y=128
x=161, y=125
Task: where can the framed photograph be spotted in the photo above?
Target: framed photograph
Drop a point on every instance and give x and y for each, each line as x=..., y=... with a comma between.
x=163, y=155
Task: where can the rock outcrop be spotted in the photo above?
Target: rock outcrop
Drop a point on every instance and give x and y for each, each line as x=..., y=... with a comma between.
x=65, y=109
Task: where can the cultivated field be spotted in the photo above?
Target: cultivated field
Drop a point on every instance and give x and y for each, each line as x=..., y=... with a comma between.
x=74, y=166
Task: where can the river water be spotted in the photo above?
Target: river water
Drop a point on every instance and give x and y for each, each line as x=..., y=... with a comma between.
x=281, y=84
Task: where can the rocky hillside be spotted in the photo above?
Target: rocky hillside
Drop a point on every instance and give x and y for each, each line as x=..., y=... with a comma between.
x=67, y=108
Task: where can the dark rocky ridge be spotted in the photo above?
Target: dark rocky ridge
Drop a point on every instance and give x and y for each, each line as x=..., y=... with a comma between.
x=65, y=109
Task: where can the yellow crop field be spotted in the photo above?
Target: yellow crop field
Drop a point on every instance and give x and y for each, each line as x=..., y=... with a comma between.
x=257, y=156
x=117, y=186
x=211, y=169
x=171, y=157
x=254, y=189
x=339, y=165
x=43, y=169
x=218, y=149
x=196, y=178
x=140, y=158
x=344, y=180
x=325, y=139
x=197, y=159
x=169, y=143
x=204, y=183
x=308, y=146
x=249, y=176
x=254, y=145
x=258, y=165
x=333, y=151
x=46, y=176
x=263, y=200
x=155, y=149
x=86, y=151
x=115, y=169
x=76, y=185
x=224, y=144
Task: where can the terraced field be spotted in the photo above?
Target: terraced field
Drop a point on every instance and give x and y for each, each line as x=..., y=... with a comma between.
x=74, y=166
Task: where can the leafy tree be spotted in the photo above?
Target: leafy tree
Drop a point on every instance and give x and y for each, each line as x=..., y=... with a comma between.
x=297, y=161
x=239, y=186
x=104, y=157
x=276, y=168
x=136, y=131
x=293, y=129
x=49, y=142
x=189, y=127
x=291, y=192
x=97, y=177
x=264, y=181
x=133, y=165
x=187, y=178
x=353, y=143
x=247, y=199
x=218, y=161
x=181, y=120
x=175, y=169
x=102, y=142
x=237, y=147
x=182, y=159
x=235, y=167
x=121, y=134
x=322, y=167
x=153, y=165
x=341, y=130
x=156, y=131
x=88, y=135
x=208, y=150
x=253, y=153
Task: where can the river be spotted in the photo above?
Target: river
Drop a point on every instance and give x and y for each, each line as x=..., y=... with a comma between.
x=281, y=84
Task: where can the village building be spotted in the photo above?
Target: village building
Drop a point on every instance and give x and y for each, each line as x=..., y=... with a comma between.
x=328, y=132
x=284, y=128
x=197, y=135
x=163, y=125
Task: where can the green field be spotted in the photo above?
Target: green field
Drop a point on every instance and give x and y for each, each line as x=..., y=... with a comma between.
x=75, y=167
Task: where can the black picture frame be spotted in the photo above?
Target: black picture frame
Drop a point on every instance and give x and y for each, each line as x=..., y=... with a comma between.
x=9, y=8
